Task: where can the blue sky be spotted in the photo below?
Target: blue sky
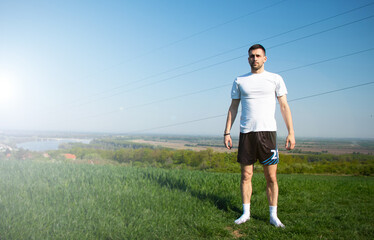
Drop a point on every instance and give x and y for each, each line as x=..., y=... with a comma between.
x=168, y=66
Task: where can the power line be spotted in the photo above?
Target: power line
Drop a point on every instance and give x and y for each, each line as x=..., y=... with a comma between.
x=216, y=26
x=265, y=39
x=225, y=61
x=233, y=49
x=163, y=80
x=327, y=30
x=159, y=101
x=327, y=60
x=226, y=85
x=332, y=91
x=177, y=124
x=223, y=115
x=196, y=34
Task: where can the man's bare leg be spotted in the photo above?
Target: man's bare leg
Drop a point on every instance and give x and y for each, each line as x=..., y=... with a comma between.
x=246, y=190
x=270, y=172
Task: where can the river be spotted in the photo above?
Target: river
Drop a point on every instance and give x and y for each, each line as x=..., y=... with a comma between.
x=48, y=144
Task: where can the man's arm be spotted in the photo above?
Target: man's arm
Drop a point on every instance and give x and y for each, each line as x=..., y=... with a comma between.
x=286, y=113
x=231, y=115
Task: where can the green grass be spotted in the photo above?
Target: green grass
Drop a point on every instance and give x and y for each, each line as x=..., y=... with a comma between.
x=77, y=201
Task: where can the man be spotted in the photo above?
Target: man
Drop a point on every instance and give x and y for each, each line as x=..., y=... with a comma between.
x=257, y=91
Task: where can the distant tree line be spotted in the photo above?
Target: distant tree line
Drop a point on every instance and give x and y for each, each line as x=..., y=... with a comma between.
x=126, y=152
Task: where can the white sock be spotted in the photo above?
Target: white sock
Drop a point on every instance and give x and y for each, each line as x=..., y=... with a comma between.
x=274, y=220
x=246, y=214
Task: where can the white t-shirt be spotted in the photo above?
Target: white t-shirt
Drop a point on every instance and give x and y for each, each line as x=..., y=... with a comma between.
x=258, y=93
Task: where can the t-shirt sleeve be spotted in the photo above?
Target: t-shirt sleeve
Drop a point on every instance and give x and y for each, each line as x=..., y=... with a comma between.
x=281, y=87
x=235, y=91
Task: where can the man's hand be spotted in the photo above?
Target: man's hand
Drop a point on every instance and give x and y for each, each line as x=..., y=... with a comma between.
x=227, y=141
x=290, y=142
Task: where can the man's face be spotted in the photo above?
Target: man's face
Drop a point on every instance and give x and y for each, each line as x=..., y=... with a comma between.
x=257, y=59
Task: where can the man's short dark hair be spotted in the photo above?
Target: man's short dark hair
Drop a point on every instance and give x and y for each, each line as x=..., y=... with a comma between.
x=257, y=46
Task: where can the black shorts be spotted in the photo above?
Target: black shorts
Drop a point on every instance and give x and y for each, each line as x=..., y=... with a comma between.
x=258, y=145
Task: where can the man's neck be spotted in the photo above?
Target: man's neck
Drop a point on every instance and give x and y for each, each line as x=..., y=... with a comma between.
x=257, y=71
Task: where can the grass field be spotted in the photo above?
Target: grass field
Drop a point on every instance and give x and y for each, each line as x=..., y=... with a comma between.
x=78, y=201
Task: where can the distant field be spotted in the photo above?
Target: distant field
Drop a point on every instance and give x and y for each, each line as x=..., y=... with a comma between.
x=78, y=201
x=337, y=146
x=180, y=144
x=326, y=146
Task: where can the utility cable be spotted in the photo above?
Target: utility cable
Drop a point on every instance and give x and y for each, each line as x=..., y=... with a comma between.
x=215, y=26
x=226, y=85
x=195, y=34
x=225, y=61
x=329, y=92
x=223, y=115
x=233, y=49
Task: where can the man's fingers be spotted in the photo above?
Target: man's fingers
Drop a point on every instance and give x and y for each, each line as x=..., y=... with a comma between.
x=228, y=142
x=290, y=144
x=293, y=145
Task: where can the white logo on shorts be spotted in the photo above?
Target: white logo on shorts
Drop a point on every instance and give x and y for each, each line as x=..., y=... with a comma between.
x=275, y=156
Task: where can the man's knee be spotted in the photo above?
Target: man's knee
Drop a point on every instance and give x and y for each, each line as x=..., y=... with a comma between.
x=271, y=178
x=270, y=173
x=247, y=177
x=247, y=173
